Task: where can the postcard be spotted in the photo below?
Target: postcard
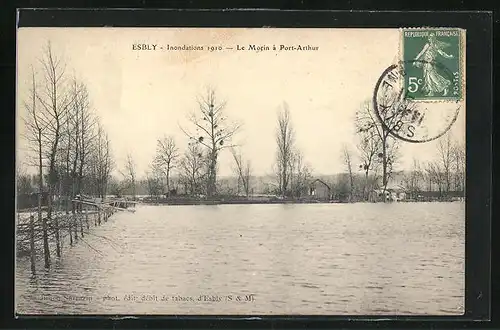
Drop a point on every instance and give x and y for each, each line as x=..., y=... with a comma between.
x=240, y=171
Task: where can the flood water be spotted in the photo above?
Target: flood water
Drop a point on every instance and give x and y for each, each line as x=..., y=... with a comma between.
x=399, y=258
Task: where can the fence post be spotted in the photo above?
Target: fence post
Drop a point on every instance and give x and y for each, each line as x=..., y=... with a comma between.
x=81, y=225
x=32, y=244
x=75, y=227
x=68, y=224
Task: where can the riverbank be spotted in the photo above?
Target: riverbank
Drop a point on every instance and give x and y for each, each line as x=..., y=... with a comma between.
x=223, y=201
x=230, y=201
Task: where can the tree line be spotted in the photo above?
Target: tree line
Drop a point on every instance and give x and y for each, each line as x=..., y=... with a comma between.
x=68, y=145
x=369, y=168
x=210, y=132
x=378, y=153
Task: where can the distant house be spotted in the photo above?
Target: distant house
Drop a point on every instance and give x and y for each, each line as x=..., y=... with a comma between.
x=392, y=194
x=397, y=194
x=319, y=190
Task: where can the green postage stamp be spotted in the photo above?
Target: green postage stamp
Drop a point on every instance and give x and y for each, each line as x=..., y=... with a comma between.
x=433, y=63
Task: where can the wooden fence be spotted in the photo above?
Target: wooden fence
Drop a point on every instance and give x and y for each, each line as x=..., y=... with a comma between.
x=61, y=227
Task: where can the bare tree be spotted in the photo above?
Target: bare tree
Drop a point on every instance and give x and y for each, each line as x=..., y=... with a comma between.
x=154, y=180
x=242, y=169
x=369, y=146
x=69, y=160
x=459, y=162
x=367, y=123
x=449, y=166
x=300, y=175
x=48, y=111
x=192, y=167
x=75, y=147
x=36, y=124
x=166, y=158
x=213, y=132
x=87, y=131
x=445, y=154
x=70, y=156
x=100, y=161
x=84, y=160
x=433, y=174
x=346, y=153
x=285, y=139
x=55, y=101
x=412, y=179
x=130, y=173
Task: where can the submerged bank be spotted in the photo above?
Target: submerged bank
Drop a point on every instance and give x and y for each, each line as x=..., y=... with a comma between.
x=229, y=201
x=222, y=201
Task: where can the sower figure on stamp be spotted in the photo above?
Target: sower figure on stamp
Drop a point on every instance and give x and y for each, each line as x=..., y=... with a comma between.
x=433, y=81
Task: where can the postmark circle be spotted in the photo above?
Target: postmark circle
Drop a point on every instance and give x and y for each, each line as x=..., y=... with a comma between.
x=414, y=121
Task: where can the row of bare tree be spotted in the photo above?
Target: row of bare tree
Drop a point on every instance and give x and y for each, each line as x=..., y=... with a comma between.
x=292, y=173
x=445, y=175
x=71, y=150
x=210, y=134
x=378, y=153
x=192, y=170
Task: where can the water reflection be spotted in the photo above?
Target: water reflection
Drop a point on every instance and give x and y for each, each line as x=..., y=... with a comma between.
x=295, y=259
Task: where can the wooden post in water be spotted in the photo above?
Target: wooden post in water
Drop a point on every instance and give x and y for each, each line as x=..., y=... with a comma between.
x=68, y=224
x=58, y=239
x=32, y=244
x=46, y=251
x=81, y=225
x=75, y=226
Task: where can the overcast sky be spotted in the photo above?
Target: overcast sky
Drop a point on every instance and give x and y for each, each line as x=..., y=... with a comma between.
x=143, y=95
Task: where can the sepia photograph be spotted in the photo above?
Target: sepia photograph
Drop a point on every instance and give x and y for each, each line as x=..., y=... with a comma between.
x=240, y=171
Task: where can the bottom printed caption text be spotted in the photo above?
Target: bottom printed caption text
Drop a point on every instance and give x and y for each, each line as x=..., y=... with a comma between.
x=160, y=298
